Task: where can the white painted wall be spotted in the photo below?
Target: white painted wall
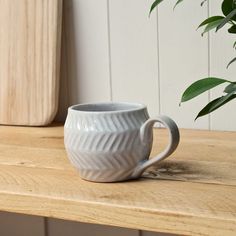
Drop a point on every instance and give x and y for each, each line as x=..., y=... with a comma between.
x=112, y=51
x=221, y=53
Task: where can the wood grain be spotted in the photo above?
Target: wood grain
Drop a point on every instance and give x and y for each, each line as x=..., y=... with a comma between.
x=186, y=195
x=30, y=33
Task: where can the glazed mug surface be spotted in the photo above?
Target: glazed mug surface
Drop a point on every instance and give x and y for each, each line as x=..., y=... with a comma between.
x=109, y=142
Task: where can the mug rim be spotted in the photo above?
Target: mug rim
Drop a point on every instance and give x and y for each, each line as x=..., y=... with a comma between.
x=131, y=106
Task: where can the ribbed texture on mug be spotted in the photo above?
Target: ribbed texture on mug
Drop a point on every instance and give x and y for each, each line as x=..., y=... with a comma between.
x=105, y=147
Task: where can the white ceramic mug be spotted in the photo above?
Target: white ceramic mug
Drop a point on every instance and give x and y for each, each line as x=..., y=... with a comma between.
x=109, y=142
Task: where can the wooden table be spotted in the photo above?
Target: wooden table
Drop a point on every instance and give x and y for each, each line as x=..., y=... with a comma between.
x=193, y=193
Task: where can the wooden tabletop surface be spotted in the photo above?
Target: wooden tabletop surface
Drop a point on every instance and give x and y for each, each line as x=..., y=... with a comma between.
x=192, y=193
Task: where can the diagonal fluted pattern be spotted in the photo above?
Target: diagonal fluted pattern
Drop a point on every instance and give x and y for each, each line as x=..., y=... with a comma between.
x=105, y=147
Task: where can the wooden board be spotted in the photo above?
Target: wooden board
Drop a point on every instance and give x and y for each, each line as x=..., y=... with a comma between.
x=29, y=62
x=192, y=193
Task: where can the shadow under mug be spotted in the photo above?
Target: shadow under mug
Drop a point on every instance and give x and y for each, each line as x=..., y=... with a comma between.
x=109, y=142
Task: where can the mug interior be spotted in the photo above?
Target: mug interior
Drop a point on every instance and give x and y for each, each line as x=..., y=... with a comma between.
x=107, y=107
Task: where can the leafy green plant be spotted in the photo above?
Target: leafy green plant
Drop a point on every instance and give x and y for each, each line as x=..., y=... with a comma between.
x=227, y=19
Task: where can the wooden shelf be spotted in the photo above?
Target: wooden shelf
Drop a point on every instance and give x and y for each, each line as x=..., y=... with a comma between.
x=193, y=193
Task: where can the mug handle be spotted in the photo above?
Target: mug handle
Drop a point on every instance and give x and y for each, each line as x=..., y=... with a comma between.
x=146, y=138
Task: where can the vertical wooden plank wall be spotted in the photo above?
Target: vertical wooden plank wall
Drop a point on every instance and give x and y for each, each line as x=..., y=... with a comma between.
x=85, y=61
x=221, y=52
x=183, y=59
x=113, y=51
x=134, y=55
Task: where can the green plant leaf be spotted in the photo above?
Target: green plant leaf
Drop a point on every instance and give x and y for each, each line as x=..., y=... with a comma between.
x=154, y=5
x=211, y=26
x=200, y=87
x=230, y=88
x=179, y=1
x=226, y=20
x=210, y=20
x=232, y=29
x=215, y=104
x=233, y=60
x=202, y=3
x=234, y=45
x=227, y=7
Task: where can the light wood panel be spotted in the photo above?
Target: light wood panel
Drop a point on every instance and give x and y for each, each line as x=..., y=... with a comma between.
x=134, y=53
x=183, y=59
x=199, y=145
x=194, y=171
x=86, y=51
x=167, y=206
x=12, y=224
x=221, y=52
x=30, y=33
x=186, y=197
